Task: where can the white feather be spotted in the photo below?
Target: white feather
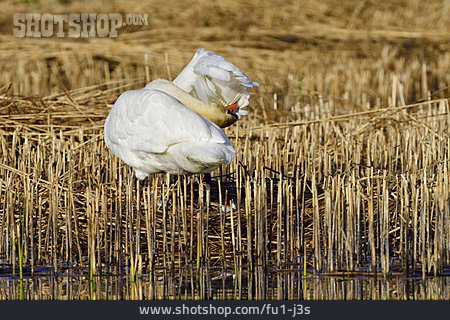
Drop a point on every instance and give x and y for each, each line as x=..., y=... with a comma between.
x=211, y=78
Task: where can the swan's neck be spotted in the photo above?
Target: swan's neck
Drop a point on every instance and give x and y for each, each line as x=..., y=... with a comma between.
x=213, y=112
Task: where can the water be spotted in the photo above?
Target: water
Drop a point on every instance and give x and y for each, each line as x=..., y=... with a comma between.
x=210, y=283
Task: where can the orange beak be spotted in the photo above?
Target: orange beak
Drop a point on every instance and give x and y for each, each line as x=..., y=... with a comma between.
x=233, y=107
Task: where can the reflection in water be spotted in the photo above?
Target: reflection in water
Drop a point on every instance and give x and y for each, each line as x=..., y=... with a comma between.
x=210, y=284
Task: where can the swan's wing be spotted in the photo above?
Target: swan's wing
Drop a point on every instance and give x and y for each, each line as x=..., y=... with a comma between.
x=213, y=79
x=148, y=122
x=151, y=121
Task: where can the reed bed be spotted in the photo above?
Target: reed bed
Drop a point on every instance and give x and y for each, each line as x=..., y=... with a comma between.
x=342, y=167
x=368, y=194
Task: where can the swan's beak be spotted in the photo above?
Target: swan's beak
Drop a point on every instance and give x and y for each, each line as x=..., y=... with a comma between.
x=233, y=107
x=233, y=110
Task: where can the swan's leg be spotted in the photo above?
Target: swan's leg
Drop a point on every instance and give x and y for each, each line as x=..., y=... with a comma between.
x=139, y=187
x=208, y=178
x=144, y=182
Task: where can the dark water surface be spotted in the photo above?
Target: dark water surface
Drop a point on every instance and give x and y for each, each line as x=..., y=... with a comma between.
x=211, y=284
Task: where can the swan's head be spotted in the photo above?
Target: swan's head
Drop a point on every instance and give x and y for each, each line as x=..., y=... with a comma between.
x=232, y=111
x=226, y=114
x=219, y=109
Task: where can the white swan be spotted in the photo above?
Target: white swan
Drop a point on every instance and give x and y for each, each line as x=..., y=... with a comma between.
x=174, y=126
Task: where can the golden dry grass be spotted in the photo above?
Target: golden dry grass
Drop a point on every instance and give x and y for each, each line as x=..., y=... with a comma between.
x=342, y=165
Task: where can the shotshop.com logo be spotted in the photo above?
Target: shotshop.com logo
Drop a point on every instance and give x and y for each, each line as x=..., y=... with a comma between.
x=74, y=25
